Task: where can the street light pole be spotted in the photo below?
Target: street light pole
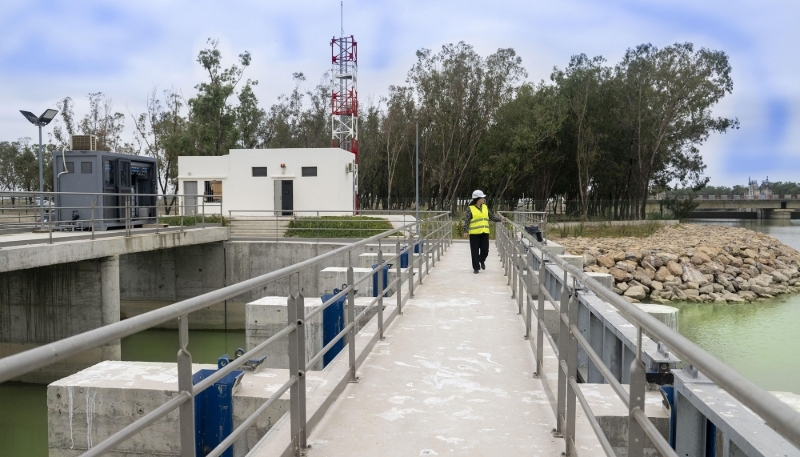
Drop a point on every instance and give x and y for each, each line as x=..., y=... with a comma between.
x=40, y=121
x=417, y=174
x=41, y=183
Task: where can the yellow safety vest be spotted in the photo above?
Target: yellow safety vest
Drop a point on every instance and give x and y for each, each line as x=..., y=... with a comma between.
x=480, y=220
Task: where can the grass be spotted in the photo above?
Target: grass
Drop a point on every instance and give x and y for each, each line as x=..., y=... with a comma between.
x=607, y=230
x=337, y=227
x=190, y=221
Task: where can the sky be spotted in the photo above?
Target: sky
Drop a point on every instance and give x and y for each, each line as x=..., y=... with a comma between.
x=55, y=48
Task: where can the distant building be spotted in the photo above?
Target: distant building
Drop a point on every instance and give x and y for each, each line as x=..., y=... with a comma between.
x=258, y=182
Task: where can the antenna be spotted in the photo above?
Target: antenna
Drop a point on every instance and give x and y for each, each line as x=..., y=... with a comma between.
x=344, y=96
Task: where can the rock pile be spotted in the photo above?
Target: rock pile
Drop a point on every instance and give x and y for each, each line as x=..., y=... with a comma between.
x=697, y=263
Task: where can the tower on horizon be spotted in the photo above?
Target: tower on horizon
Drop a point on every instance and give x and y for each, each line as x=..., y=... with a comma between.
x=344, y=98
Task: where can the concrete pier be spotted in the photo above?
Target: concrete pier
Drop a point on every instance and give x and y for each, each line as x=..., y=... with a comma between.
x=93, y=404
x=267, y=316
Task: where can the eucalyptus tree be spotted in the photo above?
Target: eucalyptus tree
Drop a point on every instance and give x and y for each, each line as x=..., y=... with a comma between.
x=668, y=94
x=212, y=119
x=582, y=85
x=458, y=93
x=521, y=135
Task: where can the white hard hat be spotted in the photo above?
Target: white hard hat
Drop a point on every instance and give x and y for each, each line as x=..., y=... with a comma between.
x=478, y=194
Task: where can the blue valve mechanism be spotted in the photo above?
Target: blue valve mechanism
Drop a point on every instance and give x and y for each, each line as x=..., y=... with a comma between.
x=250, y=364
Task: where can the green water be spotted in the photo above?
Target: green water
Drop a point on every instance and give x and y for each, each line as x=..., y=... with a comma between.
x=759, y=340
x=23, y=407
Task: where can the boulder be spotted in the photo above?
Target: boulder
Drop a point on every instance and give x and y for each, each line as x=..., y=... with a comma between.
x=749, y=253
x=663, y=274
x=623, y=286
x=648, y=266
x=625, y=266
x=723, y=259
x=707, y=289
x=633, y=255
x=674, y=268
x=733, y=298
x=605, y=261
x=700, y=258
x=748, y=295
x=656, y=285
x=619, y=275
x=636, y=292
x=778, y=276
x=692, y=285
x=692, y=275
x=644, y=280
x=618, y=256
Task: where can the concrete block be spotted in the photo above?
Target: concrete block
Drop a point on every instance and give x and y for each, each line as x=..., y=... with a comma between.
x=93, y=404
x=267, y=316
x=603, y=278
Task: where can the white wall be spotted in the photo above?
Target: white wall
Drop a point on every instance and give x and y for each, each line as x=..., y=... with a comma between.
x=331, y=189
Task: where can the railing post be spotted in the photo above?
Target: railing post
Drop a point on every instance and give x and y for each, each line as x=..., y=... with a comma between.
x=351, y=317
x=520, y=264
x=297, y=352
x=540, y=319
x=529, y=294
x=411, y=266
x=399, y=283
x=636, y=434
x=381, y=287
x=513, y=264
x=563, y=347
x=186, y=410
x=94, y=204
x=572, y=371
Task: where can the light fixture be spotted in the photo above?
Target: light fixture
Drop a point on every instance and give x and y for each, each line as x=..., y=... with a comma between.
x=40, y=122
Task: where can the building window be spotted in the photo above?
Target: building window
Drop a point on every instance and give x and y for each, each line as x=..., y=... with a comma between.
x=309, y=171
x=213, y=191
x=70, y=167
x=259, y=171
x=86, y=167
x=109, y=173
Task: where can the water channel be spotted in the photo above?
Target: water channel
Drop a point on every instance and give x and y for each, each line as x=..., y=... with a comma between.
x=758, y=340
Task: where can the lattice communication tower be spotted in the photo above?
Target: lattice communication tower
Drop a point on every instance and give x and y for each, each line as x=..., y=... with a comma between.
x=344, y=99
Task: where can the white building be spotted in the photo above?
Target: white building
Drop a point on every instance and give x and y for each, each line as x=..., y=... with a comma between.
x=262, y=182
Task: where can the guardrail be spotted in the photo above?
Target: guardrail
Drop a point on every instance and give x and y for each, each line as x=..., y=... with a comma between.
x=433, y=234
x=521, y=255
x=21, y=211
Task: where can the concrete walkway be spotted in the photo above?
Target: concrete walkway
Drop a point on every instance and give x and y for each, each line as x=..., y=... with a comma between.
x=453, y=376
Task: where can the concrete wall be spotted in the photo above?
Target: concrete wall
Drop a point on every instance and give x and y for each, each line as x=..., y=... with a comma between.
x=45, y=304
x=331, y=189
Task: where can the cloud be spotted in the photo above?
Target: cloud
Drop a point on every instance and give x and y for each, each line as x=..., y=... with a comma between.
x=51, y=49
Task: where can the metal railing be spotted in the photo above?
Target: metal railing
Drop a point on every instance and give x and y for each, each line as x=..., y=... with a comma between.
x=519, y=252
x=433, y=235
x=19, y=211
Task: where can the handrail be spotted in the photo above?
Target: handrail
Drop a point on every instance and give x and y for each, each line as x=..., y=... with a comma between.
x=435, y=239
x=775, y=413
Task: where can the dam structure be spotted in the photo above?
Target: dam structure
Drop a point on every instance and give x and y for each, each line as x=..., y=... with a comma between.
x=410, y=355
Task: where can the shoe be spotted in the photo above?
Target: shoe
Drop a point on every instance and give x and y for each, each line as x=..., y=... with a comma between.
x=483, y=266
x=477, y=271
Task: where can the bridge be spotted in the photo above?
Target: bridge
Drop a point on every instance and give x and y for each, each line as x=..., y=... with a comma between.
x=531, y=356
x=775, y=207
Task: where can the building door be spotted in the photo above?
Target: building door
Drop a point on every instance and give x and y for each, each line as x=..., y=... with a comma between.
x=125, y=188
x=110, y=201
x=190, y=198
x=287, y=197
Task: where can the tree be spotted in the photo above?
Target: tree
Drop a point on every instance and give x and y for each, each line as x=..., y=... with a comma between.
x=397, y=128
x=581, y=85
x=211, y=119
x=458, y=93
x=162, y=133
x=668, y=95
x=513, y=148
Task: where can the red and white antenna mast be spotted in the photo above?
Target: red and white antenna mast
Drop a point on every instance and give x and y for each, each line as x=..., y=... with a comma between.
x=344, y=97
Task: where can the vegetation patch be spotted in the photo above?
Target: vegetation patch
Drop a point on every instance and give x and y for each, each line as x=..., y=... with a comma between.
x=190, y=221
x=606, y=230
x=337, y=227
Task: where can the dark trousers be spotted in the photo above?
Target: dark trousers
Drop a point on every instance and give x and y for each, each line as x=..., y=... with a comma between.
x=479, y=248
